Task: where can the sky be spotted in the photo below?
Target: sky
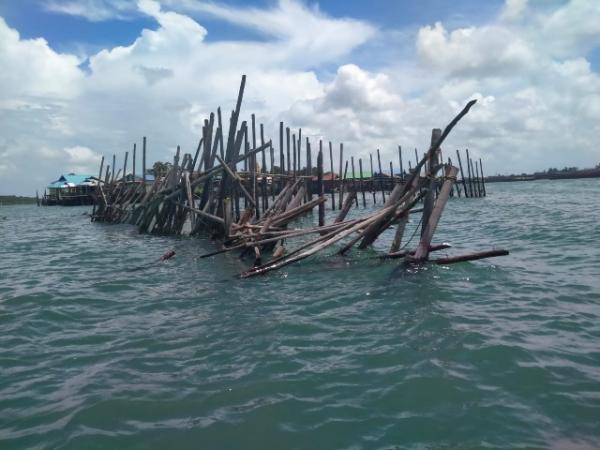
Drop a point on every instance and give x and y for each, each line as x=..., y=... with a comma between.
x=84, y=78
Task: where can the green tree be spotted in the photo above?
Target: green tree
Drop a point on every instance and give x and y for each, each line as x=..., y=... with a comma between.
x=160, y=169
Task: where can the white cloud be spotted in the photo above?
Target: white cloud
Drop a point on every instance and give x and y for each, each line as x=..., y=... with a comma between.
x=538, y=96
x=92, y=10
x=513, y=9
x=489, y=50
x=31, y=68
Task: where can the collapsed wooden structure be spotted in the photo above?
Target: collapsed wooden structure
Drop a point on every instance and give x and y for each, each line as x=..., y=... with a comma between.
x=203, y=195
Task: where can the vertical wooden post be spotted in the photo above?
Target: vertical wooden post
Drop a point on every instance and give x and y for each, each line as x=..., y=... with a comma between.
x=309, y=169
x=101, y=167
x=475, y=192
x=299, y=148
x=479, y=191
x=332, y=181
x=287, y=137
x=482, y=178
x=294, y=156
x=380, y=176
x=114, y=166
x=372, y=179
x=253, y=169
x=354, y=181
x=391, y=177
x=471, y=193
x=362, y=187
x=341, y=179
x=462, y=174
x=320, y=184
x=263, y=183
x=133, y=160
x=281, y=157
x=400, y=159
x=144, y=161
x=125, y=167
x=342, y=184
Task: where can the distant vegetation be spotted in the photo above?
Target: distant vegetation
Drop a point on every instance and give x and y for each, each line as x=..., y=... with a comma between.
x=16, y=200
x=550, y=174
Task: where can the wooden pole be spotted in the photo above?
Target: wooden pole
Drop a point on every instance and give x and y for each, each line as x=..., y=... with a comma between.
x=372, y=179
x=400, y=160
x=113, y=167
x=462, y=174
x=265, y=194
x=471, y=257
x=320, y=185
x=343, y=182
x=362, y=187
x=482, y=178
x=354, y=181
x=431, y=184
x=101, y=167
x=475, y=189
x=332, y=181
x=294, y=156
x=341, y=179
x=380, y=177
x=253, y=169
x=287, y=137
x=471, y=191
x=300, y=148
x=422, y=251
x=133, y=161
x=125, y=167
x=309, y=169
x=144, y=161
x=479, y=190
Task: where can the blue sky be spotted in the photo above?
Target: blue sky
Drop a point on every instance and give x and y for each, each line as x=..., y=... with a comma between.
x=370, y=74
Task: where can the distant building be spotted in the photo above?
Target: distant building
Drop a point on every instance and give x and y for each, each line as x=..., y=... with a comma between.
x=71, y=189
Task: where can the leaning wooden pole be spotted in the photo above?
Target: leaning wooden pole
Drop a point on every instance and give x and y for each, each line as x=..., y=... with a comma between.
x=482, y=178
x=462, y=174
x=422, y=251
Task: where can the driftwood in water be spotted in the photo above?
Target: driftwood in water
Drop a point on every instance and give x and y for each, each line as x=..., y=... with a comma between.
x=471, y=257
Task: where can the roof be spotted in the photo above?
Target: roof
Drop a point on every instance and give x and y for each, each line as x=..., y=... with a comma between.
x=70, y=179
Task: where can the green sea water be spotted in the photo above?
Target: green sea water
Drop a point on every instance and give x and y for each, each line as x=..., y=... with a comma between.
x=333, y=352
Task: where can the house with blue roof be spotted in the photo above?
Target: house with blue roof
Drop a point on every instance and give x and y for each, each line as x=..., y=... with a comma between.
x=71, y=189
